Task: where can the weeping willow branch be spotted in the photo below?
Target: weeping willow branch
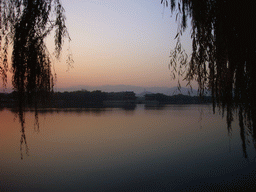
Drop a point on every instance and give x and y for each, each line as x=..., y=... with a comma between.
x=24, y=25
x=223, y=53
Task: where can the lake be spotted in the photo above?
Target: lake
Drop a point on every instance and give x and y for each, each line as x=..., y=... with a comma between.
x=168, y=148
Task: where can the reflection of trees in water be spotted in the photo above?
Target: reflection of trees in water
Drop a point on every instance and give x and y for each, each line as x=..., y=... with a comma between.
x=154, y=107
x=24, y=25
x=97, y=110
x=36, y=123
x=23, y=141
x=249, y=123
x=246, y=117
x=223, y=56
x=245, y=130
x=129, y=106
x=222, y=61
x=20, y=115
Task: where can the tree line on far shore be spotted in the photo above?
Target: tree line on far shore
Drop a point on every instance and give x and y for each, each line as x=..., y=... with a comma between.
x=84, y=98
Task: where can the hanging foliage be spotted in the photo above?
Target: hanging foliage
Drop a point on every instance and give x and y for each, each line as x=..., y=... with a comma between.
x=223, y=54
x=24, y=25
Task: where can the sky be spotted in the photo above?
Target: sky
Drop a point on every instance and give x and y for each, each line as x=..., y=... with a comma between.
x=117, y=42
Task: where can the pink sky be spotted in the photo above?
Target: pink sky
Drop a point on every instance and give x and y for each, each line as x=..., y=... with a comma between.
x=117, y=42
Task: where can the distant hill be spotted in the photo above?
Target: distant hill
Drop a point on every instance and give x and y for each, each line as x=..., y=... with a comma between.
x=138, y=90
x=142, y=94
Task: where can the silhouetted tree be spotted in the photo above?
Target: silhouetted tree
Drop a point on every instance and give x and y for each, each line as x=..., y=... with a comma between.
x=223, y=54
x=24, y=24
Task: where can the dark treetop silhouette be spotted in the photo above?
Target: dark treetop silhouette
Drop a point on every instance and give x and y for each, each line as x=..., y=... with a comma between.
x=223, y=54
x=25, y=24
x=223, y=44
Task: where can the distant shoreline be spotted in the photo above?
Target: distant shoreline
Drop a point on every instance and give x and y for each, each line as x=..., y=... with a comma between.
x=138, y=90
x=97, y=99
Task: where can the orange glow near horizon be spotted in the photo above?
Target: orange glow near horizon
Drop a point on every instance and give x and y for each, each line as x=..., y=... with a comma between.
x=117, y=42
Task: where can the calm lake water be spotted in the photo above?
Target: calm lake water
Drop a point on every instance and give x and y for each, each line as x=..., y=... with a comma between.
x=171, y=148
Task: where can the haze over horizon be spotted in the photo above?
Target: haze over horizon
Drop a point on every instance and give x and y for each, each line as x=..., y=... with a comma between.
x=135, y=89
x=122, y=88
x=117, y=42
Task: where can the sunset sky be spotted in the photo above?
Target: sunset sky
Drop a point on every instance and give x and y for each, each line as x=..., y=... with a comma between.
x=117, y=42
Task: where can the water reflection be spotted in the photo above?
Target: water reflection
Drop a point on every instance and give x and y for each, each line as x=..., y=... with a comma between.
x=154, y=106
x=129, y=106
x=246, y=123
x=23, y=136
x=149, y=149
x=20, y=113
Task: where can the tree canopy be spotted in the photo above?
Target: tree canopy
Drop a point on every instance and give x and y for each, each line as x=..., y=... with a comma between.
x=24, y=24
x=222, y=60
x=223, y=53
